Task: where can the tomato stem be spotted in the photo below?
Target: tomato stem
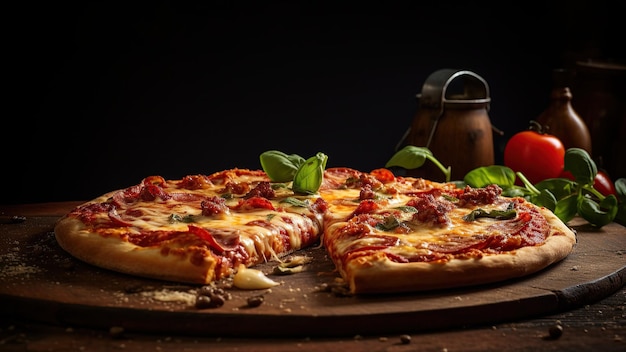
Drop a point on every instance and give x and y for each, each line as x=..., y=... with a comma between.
x=536, y=126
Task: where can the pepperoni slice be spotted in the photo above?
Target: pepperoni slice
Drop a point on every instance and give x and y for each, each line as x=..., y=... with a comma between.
x=337, y=176
x=529, y=228
x=255, y=203
x=216, y=240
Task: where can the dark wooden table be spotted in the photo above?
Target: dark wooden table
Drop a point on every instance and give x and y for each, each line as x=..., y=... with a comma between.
x=592, y=319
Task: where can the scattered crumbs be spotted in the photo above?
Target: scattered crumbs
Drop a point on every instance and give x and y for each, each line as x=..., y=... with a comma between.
x=15, y=266
x=405, y=339
x=166, y=295
x=574, y=268
x=458, y=298
x=16, y=219
x=116, y=332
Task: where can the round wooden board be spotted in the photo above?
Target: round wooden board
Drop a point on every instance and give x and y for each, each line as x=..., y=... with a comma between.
x=42, y=282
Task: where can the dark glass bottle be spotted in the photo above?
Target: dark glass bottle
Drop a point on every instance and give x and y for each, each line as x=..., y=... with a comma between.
x=561, y=120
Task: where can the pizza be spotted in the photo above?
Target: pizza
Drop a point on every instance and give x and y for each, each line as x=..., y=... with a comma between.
x=384, y=233
x=398, y=234
x=198, y=229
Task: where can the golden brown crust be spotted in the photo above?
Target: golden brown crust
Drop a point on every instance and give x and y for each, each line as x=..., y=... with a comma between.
x=114, y=254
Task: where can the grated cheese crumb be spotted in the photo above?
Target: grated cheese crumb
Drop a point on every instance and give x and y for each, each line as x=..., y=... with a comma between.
x=171, y=296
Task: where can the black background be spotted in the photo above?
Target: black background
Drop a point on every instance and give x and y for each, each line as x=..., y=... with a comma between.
x=103, y=94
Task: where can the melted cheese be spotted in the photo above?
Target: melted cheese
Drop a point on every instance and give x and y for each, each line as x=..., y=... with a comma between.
x=252, y=279
x=422, y=235
x=268, y=233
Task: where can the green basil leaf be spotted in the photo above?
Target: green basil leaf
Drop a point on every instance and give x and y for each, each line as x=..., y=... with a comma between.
x=174, y=218
x=514, y=191
x=407, y=209
x=295, y=202
x=559, y=187
x=279, y=166
x=487, y=175
x=509, y=213
x=620, y=188
x=409, y=157
x=390, y=222
x=310, y=175
x=412, y=157
x=566, y=207
x=579, y=163
x=596, y=214
x=545, y=199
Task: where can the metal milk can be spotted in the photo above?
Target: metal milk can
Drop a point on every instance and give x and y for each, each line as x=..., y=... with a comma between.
x=452, y=122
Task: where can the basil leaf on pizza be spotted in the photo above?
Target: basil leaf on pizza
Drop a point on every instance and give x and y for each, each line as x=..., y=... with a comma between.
x=310, y=175
x=279, y=166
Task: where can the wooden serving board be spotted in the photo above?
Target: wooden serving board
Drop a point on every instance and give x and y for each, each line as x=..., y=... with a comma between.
x=39, y=281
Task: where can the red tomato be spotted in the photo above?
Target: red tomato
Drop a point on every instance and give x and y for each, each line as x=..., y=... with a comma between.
x=538, y=156
x=383, y=175
x=602, y=182
x=568, y=175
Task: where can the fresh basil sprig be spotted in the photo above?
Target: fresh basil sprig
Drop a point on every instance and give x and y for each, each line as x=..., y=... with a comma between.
x=564, y=197
x=307, y=175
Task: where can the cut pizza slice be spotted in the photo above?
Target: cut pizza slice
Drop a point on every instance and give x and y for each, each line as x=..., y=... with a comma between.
x=390, y=234
x=197, y=229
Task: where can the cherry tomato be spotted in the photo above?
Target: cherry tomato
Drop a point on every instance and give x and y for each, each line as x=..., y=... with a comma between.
x=602, y=182
x=383, y=175
x=536, y=155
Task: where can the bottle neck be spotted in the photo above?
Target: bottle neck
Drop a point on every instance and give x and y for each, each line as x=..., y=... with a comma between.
x=562, y=94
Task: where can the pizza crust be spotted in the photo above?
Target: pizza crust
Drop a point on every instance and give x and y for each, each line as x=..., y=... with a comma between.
x=114, y=254
x=377, y=274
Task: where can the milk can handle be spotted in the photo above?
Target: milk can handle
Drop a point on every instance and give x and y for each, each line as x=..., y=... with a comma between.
x=475, y=90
